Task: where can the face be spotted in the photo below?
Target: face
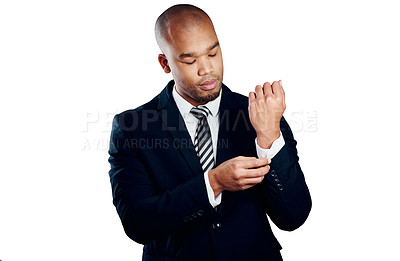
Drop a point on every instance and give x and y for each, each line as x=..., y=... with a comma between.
x=194, y=58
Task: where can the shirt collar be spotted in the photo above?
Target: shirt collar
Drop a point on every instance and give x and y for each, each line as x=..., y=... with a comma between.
x=184, y=106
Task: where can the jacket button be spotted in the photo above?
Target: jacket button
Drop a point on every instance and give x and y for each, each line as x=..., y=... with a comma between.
x=216, y=225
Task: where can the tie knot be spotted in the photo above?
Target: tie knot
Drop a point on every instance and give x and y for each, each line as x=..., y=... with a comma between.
x=200, y=112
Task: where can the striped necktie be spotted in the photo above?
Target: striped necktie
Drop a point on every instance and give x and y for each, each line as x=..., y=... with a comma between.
x=202, y=138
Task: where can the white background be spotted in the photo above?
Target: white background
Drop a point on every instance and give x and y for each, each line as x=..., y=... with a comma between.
x=66, y=67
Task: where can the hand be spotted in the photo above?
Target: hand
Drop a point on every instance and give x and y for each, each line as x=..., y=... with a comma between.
x=266, y=107
x=239, y=173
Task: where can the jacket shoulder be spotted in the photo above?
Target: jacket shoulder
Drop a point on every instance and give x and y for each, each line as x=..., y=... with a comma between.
x=234, y=98
x=150, y=105
x=131, y=119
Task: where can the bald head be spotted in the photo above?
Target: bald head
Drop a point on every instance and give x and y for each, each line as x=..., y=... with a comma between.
x=182, y=16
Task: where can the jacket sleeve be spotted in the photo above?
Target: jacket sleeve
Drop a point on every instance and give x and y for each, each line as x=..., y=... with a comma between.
x=285, y=192
x=146, y=214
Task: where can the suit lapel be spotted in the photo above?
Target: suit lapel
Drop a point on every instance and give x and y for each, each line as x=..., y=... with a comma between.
x=226, y=120
x=174, y=124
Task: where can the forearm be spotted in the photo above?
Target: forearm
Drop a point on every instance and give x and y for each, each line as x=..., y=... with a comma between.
x=149, y=210
x=284, y=188
x=152, y=217
x=287, y=196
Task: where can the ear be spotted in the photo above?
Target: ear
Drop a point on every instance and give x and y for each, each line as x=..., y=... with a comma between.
x=162, y=59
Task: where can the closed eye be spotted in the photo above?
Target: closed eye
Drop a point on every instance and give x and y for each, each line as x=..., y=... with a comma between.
x=190, y=62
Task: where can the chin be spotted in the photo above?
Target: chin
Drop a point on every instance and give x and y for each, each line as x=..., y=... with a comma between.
x=212, y=95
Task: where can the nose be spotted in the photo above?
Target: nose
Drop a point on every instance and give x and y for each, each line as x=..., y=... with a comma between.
x=205, y=67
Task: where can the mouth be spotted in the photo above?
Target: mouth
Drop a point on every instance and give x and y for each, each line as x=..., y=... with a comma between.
x=208, y=85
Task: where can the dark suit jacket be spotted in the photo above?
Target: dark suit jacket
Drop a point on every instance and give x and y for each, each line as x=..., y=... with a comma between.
x=160, y=195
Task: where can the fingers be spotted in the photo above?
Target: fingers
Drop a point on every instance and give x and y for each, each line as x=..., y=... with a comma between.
x=252, y=97
x=258, y=172
x=279, y=93
x=248, y=180
x=283, y=91
x=277, y=88
x=267, y=89
x=251, y=162
x=243, y=158
x=239, y=173
x=251, y=182
x=259, y=92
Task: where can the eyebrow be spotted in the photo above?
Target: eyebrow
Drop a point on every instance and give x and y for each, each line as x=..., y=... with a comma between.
x=184, y=55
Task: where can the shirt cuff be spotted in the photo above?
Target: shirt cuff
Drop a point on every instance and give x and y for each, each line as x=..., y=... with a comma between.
x=214, y=201
x=276, y=146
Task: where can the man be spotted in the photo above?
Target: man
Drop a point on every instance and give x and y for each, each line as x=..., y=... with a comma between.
x=185, y=175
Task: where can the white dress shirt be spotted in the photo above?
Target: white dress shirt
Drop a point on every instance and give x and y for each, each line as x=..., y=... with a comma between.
x=213, y=121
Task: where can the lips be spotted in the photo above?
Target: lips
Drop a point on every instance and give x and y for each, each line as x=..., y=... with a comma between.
x=209, y=85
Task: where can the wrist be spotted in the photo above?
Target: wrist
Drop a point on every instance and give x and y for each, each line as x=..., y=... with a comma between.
x=265, y=139
x=214, y=183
